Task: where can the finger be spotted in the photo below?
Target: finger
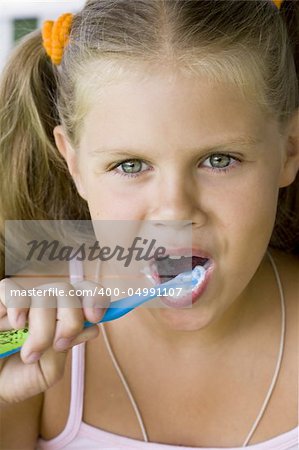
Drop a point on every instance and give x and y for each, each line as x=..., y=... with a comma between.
x=70, y=318
x=86, y=335
x=94, y=304
x=3, y=310
x=42, y=325
x=15, y=302
x=5, y=324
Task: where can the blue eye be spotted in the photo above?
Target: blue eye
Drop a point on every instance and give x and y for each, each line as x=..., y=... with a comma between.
x=130, y=168
x=133, y=166
x=217, y=162
x=220, y=162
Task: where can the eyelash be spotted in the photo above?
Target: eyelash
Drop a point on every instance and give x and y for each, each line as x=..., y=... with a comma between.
x=213, y=169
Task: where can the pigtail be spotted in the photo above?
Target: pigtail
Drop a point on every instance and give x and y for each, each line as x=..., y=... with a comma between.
x=35, y=183
x=286, y=231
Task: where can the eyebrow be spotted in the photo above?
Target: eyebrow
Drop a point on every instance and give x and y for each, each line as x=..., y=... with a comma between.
x=241, y=141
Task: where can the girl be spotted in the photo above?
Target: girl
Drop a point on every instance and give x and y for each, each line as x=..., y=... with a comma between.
x=158, y=110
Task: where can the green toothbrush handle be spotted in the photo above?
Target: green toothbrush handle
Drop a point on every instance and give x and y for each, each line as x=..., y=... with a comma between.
x=11, y=341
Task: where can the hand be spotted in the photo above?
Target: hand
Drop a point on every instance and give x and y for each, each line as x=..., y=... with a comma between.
x=55, y=326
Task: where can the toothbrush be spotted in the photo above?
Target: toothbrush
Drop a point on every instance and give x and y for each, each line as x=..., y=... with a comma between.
x=11, y=341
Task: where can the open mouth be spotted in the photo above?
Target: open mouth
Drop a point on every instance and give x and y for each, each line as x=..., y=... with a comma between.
x=165, y=269
x=198, y=268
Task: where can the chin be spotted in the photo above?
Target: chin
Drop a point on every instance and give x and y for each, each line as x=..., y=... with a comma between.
x=181, y=320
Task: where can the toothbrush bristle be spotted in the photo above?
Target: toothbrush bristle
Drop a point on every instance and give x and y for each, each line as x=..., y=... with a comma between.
x=195, y=277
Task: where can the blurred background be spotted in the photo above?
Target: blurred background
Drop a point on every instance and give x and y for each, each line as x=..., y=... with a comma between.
x=19, y=17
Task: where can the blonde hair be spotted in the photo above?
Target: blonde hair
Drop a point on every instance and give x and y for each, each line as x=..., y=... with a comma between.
x=244, y=42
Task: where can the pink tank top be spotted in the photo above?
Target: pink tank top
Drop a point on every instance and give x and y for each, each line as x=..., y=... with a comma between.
x=81, y=436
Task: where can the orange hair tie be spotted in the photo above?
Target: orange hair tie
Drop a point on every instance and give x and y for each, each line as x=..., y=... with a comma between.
x=278, y=3
x=56, y=36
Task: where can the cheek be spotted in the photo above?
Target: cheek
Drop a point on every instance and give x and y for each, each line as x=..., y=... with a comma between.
x=106, y=201
x=242, y=220
x=246, y=209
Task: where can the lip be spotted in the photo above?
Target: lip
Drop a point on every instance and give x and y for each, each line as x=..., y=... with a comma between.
x=187, y=251
x=197, y=292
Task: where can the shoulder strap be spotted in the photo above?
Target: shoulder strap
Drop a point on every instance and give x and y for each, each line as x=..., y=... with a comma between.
x=77, y=390
x=77, y=369
x=77, y=383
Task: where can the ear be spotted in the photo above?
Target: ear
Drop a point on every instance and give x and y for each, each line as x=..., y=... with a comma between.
x=70, y=156
x=291, y=152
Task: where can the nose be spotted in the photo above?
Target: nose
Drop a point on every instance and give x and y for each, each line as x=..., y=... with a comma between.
x=175, y=202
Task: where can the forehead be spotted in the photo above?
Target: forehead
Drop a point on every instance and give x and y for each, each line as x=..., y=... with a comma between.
x=158, y=108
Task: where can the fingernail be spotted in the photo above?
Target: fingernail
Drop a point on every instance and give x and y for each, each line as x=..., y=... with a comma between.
x=33, y=357
x=63, y=343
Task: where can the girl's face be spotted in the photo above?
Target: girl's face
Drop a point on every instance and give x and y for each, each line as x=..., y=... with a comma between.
x=198, y=152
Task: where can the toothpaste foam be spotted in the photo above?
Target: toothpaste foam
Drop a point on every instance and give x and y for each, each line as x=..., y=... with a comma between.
x=197, y=275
